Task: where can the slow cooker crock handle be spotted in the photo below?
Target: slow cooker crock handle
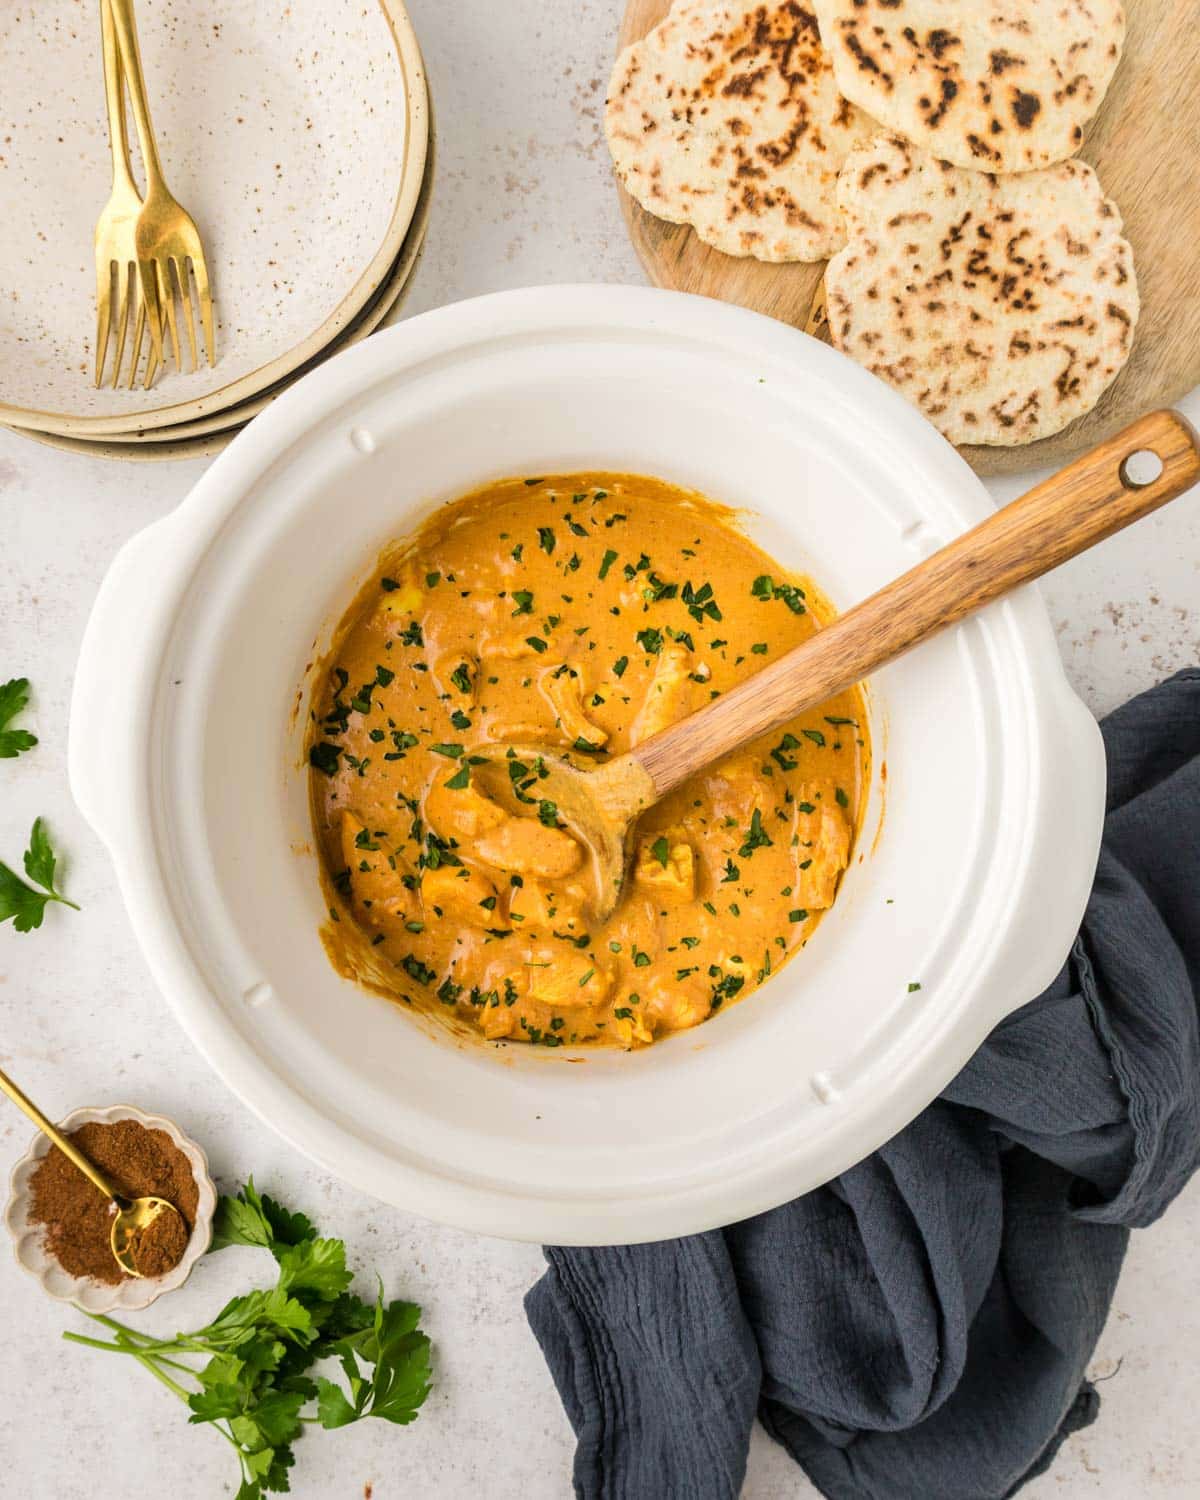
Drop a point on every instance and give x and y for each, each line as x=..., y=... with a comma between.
x=103, y=693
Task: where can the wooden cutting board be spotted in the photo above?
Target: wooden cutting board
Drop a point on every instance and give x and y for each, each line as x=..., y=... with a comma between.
x=1145, y=145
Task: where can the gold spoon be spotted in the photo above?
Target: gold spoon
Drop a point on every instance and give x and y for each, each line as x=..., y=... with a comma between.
x=1089, y=500
x=134, y=1215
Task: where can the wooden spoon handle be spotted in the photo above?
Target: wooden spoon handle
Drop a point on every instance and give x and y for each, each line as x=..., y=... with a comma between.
x=1066, y=514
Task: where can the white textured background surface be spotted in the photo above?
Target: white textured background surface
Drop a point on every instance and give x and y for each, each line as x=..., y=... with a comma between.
x=524, y=196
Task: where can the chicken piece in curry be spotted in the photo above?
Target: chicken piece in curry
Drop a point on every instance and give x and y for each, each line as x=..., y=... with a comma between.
x=583, y=613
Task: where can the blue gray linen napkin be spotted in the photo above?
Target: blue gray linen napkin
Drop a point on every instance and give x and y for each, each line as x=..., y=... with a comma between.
x=919, y=1328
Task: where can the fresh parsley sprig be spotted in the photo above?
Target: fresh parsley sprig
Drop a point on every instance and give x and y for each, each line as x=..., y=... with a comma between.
x=255, y=1385
x=25, y=905
x=14, y=697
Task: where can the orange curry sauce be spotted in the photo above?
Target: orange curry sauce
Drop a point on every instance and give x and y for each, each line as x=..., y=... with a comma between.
x=584, y=612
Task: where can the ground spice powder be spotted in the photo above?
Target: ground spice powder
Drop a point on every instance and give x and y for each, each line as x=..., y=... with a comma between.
x=160, y=1246
x=78, y=1219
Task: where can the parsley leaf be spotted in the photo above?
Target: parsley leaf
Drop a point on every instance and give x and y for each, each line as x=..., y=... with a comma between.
x=323, y=756
x=14, y=696
x=261, y=1346
x=25, y=905
x=765, y=587
x=757, y=837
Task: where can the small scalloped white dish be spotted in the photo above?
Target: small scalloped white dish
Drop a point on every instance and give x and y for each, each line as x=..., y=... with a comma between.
x=92, y=1296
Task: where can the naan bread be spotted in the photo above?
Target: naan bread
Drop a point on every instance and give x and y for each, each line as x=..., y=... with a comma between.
x=726, y=117
x=1000, y=306
x=999, y=85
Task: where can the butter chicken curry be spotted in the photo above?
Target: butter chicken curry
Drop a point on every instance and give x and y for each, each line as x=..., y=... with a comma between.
x=582, y=612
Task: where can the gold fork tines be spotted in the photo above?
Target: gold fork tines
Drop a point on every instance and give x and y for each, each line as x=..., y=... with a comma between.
x=138, y=339
x=167, y=242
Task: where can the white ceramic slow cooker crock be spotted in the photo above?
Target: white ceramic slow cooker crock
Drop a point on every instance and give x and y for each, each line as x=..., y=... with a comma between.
x=186, y=756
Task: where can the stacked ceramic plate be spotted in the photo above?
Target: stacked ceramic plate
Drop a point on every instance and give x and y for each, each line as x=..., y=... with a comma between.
x=301, y=142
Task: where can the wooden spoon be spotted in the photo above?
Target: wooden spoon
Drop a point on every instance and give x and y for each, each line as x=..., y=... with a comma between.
x=1089, y=500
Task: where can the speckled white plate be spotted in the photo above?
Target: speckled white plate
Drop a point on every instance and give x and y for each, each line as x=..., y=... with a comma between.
x=296, y=135
x=385, y=303
x=208, y=436
x=98, y=1296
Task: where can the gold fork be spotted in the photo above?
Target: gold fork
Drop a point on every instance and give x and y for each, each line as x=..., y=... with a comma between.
x=116, y=245
x=167, y=240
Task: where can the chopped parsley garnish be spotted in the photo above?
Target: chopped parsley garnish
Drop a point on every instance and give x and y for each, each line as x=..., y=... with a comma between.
x=436, y=853
x=765, y=587
x=448, y=992
x=619, y=666
x=324, y=757
x=657, y=589
x=452, y=751
x=536, y=642
x=785, y=762
x=524, y=602
x=725, y=988
x=841, y=798
x=546, y=539
x=548, y=813
x=700, y=602
x=757, y=837
x=661, y=850
x=460, y=780
x=815, y=735
x=415, y=969
x=461, y=678
x=650, y=640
